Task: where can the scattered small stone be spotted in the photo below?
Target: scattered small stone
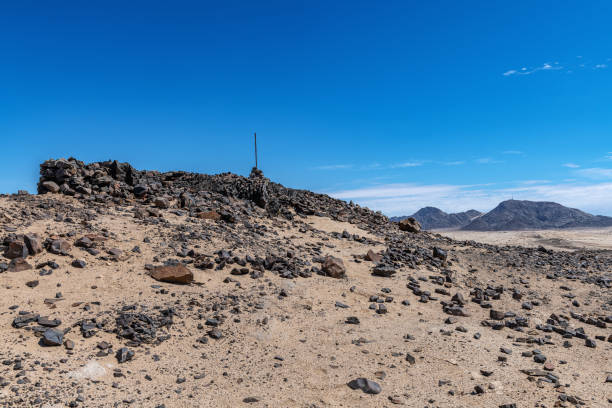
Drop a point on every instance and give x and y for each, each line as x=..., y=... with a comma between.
x=365, y=385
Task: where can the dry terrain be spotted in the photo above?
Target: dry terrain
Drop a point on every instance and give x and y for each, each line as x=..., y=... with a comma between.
x=160, y=300
x=562, y=239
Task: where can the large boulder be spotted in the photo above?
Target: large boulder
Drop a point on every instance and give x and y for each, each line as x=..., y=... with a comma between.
x=334, y=267
x=172, y=274
x=410, y=224
x=34, y=243
x=373, y=256
x=50, y=186
x=58, y=246
x=52, y=337
x=16, y=249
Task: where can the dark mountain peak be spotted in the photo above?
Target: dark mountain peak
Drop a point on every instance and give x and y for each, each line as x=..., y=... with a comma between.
x=429, y=211
x=435, y=218
x=512, y=215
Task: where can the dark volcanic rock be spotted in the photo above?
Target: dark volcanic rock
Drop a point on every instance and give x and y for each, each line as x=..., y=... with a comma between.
x=124, y=354
x=79, y=263
x=365, y=385
x=383, y=271
x=34, y=243
x=111, y=179
x=410, y=225
x=16, y=249
x=18, y=265
x=58, y=246
x=52, y=337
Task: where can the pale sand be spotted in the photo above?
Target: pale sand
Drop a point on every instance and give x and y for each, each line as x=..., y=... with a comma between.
x=570, y=239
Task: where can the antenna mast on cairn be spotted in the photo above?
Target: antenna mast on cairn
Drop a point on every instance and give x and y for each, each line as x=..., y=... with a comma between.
x=255, y=135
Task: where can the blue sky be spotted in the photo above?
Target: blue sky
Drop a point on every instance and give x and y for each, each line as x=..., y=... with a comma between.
x=395, y=104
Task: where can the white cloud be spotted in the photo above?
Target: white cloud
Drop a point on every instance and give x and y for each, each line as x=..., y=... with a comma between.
x=334, y=167
x=556, y=66
x=528, y=71
x=405, y=199
x=454, y=163
x=596, y=173
x=407, y=164
x=517, y=152
x=571, y=165
x=533, y=182
x=487, y=160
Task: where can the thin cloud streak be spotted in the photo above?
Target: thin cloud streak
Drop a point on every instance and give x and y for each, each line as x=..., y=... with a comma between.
x=407, y=164
x=555, y=66
x=334, y=167
x=487, y=160
x=528, y=71
x=595, y=173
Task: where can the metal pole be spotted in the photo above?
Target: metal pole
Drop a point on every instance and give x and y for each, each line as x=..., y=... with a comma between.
x=255, y=134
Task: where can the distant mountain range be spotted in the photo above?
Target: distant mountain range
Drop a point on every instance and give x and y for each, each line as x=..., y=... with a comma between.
x=511, y=215
x=434, y=218
x=520, y=215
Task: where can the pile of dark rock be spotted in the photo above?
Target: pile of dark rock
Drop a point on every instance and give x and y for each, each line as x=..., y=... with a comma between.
x=111, y=180
x=141, y=327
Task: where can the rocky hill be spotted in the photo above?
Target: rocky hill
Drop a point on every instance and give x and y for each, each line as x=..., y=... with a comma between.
x=521, y=215
x=130, y=288
x=433, y=218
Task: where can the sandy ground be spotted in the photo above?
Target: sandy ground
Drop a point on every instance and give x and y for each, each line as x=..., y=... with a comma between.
x=294, y=350
x=570, y=239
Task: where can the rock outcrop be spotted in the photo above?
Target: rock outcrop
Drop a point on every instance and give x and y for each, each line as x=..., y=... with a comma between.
x=115, y=181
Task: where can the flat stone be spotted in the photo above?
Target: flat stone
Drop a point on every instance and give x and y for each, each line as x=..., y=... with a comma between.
x=352, y=320
x=124, y=354
x=51, y=186
x=383, y=271
x=79, y=263
x=18, y=265
x=59, y=247
x=52, y=337
x=179, y=274
x=365, y=385
x=496, y=314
